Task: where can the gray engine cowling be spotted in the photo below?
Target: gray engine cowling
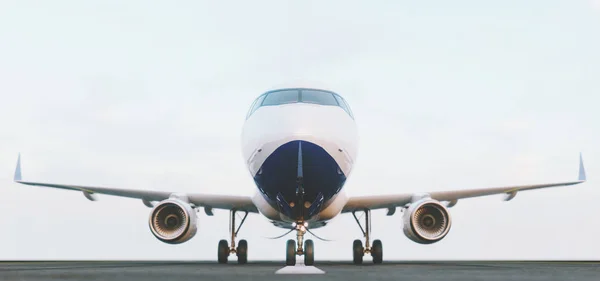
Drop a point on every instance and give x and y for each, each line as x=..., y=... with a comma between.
x=173, y=221
x=426, y=221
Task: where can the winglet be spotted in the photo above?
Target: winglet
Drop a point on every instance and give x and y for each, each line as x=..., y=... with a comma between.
x=18, y=169
x=581, y=169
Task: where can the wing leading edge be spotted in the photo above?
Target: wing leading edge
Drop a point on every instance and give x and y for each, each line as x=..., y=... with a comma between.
x=209, y=201
x=400, y=200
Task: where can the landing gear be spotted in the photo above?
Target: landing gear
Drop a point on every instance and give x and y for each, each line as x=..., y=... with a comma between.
x=309, y=252
x=377, y=252
x=242, y=252
x=358, y=251
x=225, y=249
x=290, y=252
x=300, y=247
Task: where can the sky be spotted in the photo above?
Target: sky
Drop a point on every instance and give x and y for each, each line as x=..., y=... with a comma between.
x=153, y=95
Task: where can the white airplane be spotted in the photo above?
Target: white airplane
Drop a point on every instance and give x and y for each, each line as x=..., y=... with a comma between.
x=300, y=145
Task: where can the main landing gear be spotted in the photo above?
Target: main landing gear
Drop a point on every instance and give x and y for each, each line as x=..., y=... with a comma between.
x=308, y=250
x=225, y=249
x=358, y=251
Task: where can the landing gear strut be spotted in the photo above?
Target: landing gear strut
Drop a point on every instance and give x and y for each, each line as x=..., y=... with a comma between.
x=358, y=251
x=300, y=226
x=225, y=249
x=300, y=247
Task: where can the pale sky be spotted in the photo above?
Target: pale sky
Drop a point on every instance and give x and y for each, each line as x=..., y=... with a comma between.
x=153, y=95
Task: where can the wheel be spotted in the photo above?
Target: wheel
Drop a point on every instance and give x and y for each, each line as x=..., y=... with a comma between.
x=357, y=251
x=377, y=252
x=309, y=252
x=290, y=252
x=223, y=251
x=242, y=252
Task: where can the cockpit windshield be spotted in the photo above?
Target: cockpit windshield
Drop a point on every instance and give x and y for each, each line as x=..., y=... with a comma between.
x=280, y=97
x=318, y=97
x=286, y=96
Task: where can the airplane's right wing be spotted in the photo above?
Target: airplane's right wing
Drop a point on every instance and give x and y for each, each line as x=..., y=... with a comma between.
x=173, y=218
x=208, y=201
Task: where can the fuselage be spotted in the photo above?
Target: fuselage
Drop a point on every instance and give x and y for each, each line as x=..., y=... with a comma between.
x=299, y=137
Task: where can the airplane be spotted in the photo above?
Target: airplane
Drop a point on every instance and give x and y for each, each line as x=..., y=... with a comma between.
x=299, y=146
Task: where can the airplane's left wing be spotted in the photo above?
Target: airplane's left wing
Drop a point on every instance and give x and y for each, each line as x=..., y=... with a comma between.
x=390, y=202
x=209, y=201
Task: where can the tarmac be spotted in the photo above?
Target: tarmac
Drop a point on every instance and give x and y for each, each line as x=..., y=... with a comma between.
x=275, y=270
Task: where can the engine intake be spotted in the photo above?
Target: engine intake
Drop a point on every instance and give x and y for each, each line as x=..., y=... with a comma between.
x=427, y=221
x=173, y=221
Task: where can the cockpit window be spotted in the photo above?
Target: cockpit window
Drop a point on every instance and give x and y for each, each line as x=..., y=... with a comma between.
x=287, y=96
x=317, y=97
x=281, y=97
x=255, y=105
x=344, y=105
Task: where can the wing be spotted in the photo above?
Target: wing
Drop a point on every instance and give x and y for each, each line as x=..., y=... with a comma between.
x=451, y=197
x=208, y=201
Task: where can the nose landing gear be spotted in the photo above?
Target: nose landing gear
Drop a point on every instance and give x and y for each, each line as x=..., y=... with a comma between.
x=307, y=248
x=300, y=247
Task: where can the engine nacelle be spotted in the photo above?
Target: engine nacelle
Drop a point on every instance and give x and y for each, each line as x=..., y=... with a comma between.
x=426, y=221
x=173, y=221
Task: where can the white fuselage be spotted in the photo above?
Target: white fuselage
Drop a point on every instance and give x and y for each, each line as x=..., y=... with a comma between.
x=328, y=127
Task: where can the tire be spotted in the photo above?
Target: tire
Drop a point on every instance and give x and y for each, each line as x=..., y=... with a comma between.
x=309, y=252
x=223, y=251
x=357, y=252
x=377, y=252
x=242, y=252
x=290, y=253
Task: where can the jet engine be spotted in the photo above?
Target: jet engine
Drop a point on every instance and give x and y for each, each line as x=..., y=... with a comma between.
x=173, y=221
x=426, y=221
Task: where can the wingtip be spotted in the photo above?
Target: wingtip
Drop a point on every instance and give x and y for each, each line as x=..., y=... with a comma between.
x=18, y=170
x=582, y=176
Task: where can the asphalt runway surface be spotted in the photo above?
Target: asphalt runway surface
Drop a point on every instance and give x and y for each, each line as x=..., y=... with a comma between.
x=402, y=270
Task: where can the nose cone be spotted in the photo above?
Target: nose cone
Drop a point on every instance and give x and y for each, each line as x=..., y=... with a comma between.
x=328, y=127
x=298, y=178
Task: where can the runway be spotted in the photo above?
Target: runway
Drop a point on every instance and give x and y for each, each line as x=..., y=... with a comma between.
x=405, y=270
